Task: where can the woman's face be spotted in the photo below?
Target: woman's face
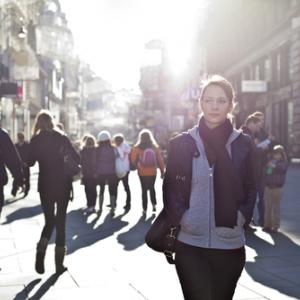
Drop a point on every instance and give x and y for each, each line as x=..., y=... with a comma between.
x=215, y=106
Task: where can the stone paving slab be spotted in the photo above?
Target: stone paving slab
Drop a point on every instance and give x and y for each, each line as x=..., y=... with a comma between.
x=107, y=257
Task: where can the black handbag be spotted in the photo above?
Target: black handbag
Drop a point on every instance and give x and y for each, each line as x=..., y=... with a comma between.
x=162, y=236
x=70, y=166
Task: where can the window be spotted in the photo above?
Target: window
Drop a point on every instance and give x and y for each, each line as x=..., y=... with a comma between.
x=267, y=69
x=256, y=72
x=278, y=67
x=285, y=65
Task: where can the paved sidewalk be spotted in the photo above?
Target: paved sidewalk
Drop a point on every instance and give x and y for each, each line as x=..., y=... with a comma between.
x=107, y=258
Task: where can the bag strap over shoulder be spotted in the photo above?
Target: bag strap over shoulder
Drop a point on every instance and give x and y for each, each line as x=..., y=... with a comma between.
x=186, y=149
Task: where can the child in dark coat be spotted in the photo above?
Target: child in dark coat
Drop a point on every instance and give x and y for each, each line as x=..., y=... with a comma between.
x=274, y=180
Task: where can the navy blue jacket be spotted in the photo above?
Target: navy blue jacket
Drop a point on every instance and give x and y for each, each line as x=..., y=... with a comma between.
x=178, y=177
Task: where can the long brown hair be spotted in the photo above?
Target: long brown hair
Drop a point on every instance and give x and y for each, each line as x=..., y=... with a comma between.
x=146, y=138
x=88, y=141
x=43, y=121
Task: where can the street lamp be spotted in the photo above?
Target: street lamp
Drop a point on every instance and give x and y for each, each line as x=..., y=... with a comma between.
x=22, y=32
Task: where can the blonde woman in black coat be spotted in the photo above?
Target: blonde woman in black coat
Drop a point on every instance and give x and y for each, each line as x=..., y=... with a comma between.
x=53, y=185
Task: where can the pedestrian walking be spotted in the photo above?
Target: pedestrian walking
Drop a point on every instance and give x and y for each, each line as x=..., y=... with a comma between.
x=10, y=159
x=23, y=150
x=264, y=142
x=209, y=187
x=251, y=127
x=124, y=152
x=54, y=186
x=106, y=169
x=275, y=173
x=88, y=165
x=147, y=157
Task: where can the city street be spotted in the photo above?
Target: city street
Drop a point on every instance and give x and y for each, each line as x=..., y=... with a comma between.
x=107, y=258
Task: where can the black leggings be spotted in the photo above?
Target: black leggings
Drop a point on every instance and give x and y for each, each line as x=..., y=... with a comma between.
x=90, y=188
x=148, y=183
x=208, y=274
x=52, y=219
x=111, y=180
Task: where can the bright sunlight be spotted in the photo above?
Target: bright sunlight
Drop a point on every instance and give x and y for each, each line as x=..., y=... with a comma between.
x=119, y=29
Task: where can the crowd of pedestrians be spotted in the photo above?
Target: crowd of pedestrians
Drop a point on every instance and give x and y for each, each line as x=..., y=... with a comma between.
x=227, y=173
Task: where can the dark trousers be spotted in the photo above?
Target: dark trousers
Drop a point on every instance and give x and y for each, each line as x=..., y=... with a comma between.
x=26, y=176
x=147, y=183
x=52, y=218
x=111, y=180
x=90, y=188
x=1, y=197
x=208, y=274
x=126, y=188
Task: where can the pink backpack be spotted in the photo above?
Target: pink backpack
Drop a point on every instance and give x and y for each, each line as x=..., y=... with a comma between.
x=148, y=158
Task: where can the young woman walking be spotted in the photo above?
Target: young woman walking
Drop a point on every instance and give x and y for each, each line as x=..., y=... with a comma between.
x=53, y=185
x=213, y=197
x=146, y=156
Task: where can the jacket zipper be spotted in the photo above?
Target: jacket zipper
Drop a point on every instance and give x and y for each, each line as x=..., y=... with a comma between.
x=210, y=204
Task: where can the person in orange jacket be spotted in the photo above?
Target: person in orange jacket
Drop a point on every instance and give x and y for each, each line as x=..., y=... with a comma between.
x=145, y=155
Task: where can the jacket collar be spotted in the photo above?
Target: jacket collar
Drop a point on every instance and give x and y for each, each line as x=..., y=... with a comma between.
x=196, y=136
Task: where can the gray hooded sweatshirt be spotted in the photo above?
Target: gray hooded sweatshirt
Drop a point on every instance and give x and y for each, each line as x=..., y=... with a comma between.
x=198, y=227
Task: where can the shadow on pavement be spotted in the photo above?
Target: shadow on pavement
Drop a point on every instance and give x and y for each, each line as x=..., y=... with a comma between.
x=44, y=288
x=27, y=289
x=273, y=263
x=9, y=201
x=86, y=233
x=23, y=213
x=135, y=236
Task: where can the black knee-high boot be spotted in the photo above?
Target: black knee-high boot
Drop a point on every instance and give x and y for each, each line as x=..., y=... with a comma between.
x=60, y=253
x=40, y=255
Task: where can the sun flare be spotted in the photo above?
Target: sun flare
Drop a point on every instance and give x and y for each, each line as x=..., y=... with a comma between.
x=113, y=42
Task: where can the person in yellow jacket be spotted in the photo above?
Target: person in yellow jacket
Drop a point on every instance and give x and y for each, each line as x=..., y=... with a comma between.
x=146, y=157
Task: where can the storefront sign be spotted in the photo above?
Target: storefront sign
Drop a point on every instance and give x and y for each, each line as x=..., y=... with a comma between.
x=254, y=86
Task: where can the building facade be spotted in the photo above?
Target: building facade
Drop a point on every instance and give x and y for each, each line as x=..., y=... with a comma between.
x=256, y=45
x=36, y=53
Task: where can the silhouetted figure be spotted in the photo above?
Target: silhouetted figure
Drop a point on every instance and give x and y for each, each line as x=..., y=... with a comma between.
x=124, y=153
x=275, y=173
x=106, y=169
x=23, y=150
x=9, y=158
x=89, y=177
x=264, y=142
x=251, y=127
x=147, y=158
x=54, y=186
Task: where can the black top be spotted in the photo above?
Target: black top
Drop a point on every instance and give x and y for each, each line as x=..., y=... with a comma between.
x=45, y=148
x=23, y=150
x=88, y=162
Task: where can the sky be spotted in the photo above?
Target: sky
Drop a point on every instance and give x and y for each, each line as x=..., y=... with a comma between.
x=110, y=35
